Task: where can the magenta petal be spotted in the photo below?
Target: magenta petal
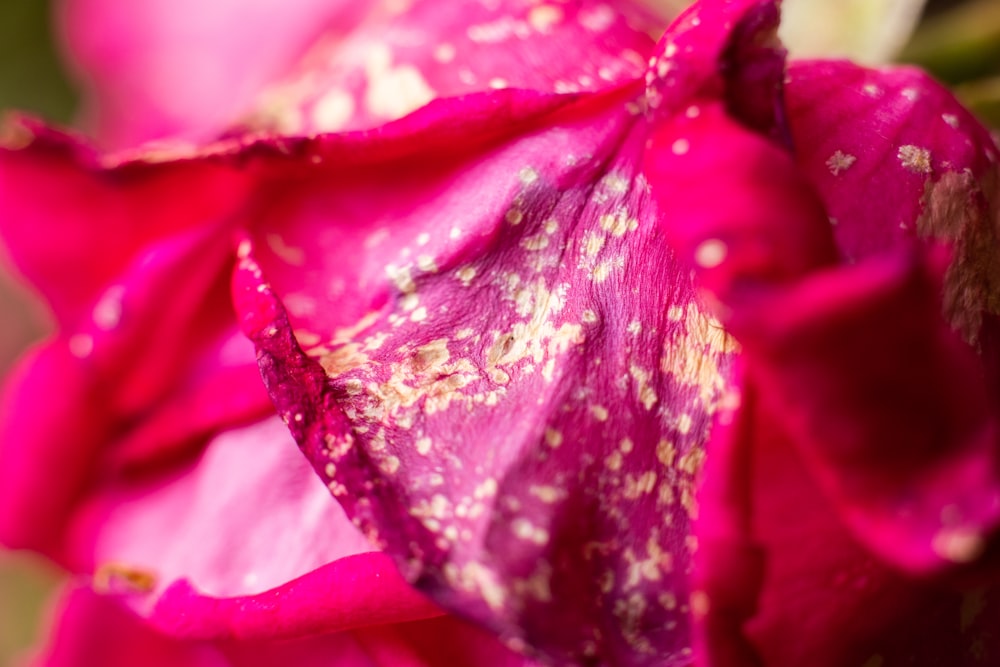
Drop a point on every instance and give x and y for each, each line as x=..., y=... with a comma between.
x=71, y=227
x=864, y=451
x=491, y=367
x=350, y=592
x=398, y=61
x=96, y=630
x=32, y=508
x=895, y=156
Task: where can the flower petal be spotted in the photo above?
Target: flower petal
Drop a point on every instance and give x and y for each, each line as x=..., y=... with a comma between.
x=184, y=69
x=864, y=417
x=512, y=305
x=396, y=62
x=96, y=630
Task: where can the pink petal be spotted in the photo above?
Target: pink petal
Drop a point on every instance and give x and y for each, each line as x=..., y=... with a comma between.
x=395, y=62
x=256, y=530
x=186, y=69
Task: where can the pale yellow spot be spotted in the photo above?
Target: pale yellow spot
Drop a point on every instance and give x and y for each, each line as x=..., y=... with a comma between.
x=840, y=162
x=487, y=489
x=711, y=253
x=666, y=452
x=593, y=243
x=333, y=111
x=514, y=216
x=600, y=412
x=525, y=530
x=409, y=302
x=544, y=17
x=601, y=272
x=915, y=159
x=684, y=424
x=426, y=264
x=534, y=243
x=466, y=274
x=547, y=494
x=393, y=92
x=401, y=278
x=389, y=465
x=639, y=486
x=680, y=147
x=958, y=545
x=553, y=437
x=618, y=223
x=419, y=315
x=614, y=461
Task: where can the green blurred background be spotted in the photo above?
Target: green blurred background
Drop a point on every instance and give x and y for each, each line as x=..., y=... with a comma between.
x=31, y=78
x=959, y=41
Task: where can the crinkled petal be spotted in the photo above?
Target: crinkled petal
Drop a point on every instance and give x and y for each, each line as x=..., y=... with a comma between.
x=500, y=369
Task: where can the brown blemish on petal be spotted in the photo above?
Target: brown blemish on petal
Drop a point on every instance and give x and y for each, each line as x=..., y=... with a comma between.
x=966, y=214
x=118, y=578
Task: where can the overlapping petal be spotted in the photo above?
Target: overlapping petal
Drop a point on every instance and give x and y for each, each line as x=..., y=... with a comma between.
x=864, y=417
x=506, y=377
x=552, y=424
x=391, y=66
x=93, y=629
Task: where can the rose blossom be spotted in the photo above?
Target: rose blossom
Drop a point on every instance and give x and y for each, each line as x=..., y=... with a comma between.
x=161, y=397
x=513, y=391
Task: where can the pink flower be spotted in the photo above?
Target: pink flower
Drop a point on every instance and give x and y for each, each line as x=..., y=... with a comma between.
x=480, y=324
x=179, y=494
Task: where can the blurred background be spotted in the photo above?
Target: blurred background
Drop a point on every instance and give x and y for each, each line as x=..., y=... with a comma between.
x=957, y=40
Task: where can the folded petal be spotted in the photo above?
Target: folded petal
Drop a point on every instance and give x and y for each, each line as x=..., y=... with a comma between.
x=865, y=447
x=95, y=630
x=500, y=370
